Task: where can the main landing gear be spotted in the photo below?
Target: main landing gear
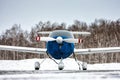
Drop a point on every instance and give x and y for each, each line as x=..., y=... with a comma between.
x=60, y=65
x=37, y=64
x=82, y=65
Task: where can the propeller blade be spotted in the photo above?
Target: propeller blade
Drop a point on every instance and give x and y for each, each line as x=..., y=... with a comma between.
x=72, y=40
x=38, y=38
x=47, y=39
x=58, y=40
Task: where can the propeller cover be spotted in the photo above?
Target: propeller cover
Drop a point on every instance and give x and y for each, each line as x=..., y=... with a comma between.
x=59, y=40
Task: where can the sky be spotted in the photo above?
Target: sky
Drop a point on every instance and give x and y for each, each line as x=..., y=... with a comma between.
x=27, y=13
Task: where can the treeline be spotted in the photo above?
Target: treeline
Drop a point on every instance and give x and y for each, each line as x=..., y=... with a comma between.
x=104, y=33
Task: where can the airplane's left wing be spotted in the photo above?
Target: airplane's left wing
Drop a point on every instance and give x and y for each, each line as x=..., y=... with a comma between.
x=23, y=49
x=97, y=50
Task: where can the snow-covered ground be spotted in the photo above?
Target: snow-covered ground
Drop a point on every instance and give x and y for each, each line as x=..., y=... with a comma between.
x=70, y=64
x=49, y=64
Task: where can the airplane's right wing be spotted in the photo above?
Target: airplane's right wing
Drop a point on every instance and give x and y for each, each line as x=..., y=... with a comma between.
x=23, y=49
x=97, y=50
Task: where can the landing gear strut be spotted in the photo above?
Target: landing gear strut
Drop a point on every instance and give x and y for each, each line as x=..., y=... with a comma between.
x=37, y=64
x=61, y=65
x=83, y=64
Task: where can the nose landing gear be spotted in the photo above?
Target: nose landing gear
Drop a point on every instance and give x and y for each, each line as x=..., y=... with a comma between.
x=61, y=65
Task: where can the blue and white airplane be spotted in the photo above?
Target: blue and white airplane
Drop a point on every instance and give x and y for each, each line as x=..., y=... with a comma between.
x=59, y=46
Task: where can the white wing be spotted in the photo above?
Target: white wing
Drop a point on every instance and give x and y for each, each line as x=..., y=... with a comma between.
x=97, y=50
x=23, y=49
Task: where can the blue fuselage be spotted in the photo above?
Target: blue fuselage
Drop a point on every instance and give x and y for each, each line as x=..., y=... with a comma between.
x=59, y=51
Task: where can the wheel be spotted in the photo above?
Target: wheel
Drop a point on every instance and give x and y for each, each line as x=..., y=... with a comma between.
x=84, y=66
x=61, y=66
x=36, y=68
x=37, y=65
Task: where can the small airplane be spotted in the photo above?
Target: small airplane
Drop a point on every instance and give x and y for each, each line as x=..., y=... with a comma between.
x=59, y=46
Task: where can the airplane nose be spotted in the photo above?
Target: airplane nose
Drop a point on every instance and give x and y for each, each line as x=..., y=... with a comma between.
x=59, y=40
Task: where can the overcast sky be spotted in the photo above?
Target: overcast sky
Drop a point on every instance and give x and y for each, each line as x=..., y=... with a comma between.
x=30, y=12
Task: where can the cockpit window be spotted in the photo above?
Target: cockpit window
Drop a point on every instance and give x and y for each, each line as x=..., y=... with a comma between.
x=61, y=33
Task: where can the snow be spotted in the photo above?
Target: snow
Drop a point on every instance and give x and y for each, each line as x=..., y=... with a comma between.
x=54, y=74
x=48, y=64
x=63, y=76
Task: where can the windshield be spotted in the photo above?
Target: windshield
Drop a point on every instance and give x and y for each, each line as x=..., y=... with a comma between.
x=61, y=33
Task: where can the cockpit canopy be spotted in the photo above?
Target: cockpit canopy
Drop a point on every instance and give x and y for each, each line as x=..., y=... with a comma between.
x=61, y=33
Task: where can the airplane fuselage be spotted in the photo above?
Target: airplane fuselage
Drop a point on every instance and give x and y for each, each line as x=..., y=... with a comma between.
x=57, y=49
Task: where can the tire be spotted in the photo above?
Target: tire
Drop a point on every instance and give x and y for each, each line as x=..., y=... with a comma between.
x=37, y=65
x=84, y=68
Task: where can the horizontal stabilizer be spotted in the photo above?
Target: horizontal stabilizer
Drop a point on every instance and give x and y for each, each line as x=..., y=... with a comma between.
x=82, y=33
x=44, y=32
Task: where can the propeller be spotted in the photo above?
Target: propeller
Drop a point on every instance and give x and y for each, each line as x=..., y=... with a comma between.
x=58, y=39
x=38, y=38
x=72, y=40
